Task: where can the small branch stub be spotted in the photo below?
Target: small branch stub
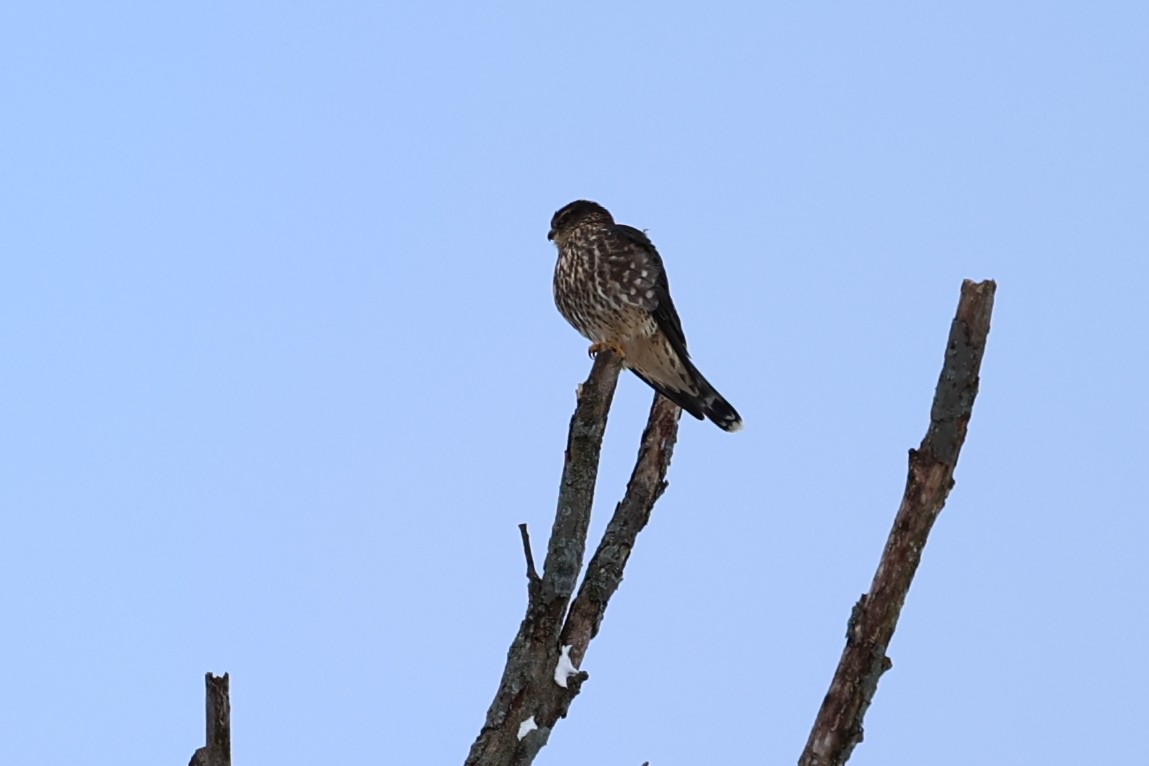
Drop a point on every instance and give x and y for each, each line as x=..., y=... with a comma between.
x=532, y=573
x=217, y=750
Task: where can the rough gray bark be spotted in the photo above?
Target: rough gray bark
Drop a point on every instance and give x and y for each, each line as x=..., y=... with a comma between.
x=529, y=700
x=838, y=726
x=217, y=750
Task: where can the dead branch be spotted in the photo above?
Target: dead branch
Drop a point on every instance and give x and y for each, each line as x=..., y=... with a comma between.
x=838, y=726
x=646, y=485
x=217, y=750
x=540, y=678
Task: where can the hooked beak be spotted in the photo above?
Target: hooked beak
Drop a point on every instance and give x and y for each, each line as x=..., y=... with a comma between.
x=551, y=235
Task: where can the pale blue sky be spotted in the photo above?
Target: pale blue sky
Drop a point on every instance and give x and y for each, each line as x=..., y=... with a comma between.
x=282, y=372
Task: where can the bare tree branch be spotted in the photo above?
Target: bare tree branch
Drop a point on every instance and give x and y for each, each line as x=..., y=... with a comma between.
x=604, y=573
x=540, y=678
x=838, y=726
x=217, y=750
x=534, y=652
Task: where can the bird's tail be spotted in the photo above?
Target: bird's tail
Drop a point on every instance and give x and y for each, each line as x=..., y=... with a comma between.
x=697, y=397
x=720, y=412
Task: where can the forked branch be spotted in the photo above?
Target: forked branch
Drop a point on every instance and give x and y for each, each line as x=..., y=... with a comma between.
x=541, y=677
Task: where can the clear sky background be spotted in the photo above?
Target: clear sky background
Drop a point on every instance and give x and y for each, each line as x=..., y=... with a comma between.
x=281, y=371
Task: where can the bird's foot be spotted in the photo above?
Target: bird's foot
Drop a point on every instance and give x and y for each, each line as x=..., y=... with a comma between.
x=597, y=348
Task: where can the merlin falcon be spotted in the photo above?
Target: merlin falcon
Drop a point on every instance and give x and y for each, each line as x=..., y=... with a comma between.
x=611, y=286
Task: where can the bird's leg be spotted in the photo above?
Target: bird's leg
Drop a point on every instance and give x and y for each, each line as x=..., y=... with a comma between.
x=597, y=348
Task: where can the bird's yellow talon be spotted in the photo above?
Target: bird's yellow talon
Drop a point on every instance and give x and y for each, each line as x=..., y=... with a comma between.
x=597, y=348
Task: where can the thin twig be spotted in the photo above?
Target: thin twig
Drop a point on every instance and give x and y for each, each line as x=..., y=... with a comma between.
x=532, y=574
x=838, y=728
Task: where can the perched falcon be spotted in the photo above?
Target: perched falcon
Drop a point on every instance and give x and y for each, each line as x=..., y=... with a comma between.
x=611, y=286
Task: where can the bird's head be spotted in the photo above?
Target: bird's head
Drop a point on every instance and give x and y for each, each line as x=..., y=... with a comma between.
x=577, y=213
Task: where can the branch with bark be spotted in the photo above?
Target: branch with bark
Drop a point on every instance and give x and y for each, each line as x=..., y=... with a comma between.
x=217, y=749
x=541, y=676
x=838, y=727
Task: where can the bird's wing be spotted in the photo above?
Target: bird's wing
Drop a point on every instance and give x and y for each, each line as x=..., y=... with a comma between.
x=648, y=276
